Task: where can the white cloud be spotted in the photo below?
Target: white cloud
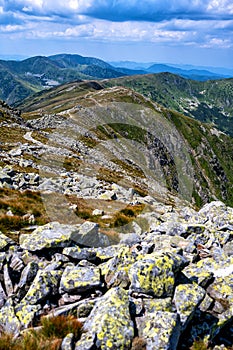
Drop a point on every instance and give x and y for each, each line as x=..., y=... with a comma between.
x=205, y=23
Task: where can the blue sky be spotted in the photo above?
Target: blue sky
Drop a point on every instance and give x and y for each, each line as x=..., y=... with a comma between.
x=196, y=32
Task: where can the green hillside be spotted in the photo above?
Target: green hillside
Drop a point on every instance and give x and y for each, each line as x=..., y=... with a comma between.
x=210, y=101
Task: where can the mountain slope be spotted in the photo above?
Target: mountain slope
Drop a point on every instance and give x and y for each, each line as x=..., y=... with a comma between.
x=210, y=151
x=23, y=78
x=209, y=101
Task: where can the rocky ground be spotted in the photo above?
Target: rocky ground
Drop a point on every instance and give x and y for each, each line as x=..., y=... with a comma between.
x=165, y=288
x=162, y=282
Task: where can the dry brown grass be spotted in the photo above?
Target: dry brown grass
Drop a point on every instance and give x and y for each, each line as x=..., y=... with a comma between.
x=20, y=203
x=48, y=337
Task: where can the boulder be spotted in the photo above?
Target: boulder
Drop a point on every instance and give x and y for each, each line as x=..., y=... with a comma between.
x=187, y=297
x=154, y=274
x=45, y=284
x=80, y=279
x=109, y=325
x=52, y=235
x=8, y=320
x=161, y=330
x=88, y=235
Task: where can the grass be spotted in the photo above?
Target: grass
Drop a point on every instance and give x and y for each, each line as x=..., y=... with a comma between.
x=48, y=337
x=20, y=203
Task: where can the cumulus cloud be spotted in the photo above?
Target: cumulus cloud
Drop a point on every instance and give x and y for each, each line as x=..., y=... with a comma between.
x=208, y=23
x=121, y=10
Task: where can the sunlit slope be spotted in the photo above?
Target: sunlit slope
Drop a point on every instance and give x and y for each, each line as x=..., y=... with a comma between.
x=102, y=115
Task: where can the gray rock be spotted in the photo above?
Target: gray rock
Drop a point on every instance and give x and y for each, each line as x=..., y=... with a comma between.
x=109, y=325
x=80, y=279
x=80, y=253
x=2, y=296
x=129, y=238
x=68, y=342
x=28, y=274
x=187, y=297
x=161, y=330
x=88, y=235
x=45, y=284
x=48, y=236
x=8, y=320
x=7, y=281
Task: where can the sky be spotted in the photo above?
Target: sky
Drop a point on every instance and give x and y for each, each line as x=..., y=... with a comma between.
x=198, y=32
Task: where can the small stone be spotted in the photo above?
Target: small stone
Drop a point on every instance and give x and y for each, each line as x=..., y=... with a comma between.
x=16, y=263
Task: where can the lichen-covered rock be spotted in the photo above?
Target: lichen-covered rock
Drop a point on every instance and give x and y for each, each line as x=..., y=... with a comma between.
x=198, y=274
x=106, y=253
x=222, y=292
x=80, y=253
x=85, y=307
x=187, y=297
x=4, y=241
x=50, y=235
x=117, y=268
x=86, y=342
x=68, y=342
x=80, y=279
x=140, y=307
x=219, y=266
x=26, y=313
x=8, y=320
x=160, y=329
x=45, y=284
x=155, y=274
x=2, y=296
x=109, y=325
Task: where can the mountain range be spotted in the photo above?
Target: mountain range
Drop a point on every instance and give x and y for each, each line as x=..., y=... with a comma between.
x=20, y=79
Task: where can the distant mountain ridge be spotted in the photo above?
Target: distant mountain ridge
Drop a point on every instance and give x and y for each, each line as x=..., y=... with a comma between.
x=185, y=70
x=20, y=79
